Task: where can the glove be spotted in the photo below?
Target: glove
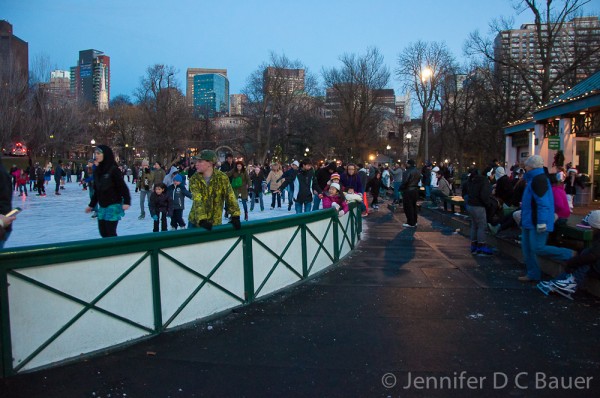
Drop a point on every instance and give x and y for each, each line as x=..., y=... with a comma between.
x=235, y=221
x=155, y=217
x=205, y=224
x=541, y=228
x=335, y=205
x=341, y=213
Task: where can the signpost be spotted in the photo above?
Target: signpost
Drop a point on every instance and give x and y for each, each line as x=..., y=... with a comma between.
x=554, y=142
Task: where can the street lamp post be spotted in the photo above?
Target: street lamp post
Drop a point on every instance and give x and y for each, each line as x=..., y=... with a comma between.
x=93, y=143
x=426, y=75
x=408, y=137
x=388, y=147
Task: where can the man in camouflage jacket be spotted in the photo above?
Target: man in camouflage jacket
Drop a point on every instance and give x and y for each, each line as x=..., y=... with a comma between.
x=211, y=190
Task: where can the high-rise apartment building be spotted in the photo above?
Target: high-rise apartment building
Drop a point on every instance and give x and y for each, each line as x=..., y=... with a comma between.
x=14, y=55
x=280, y=80
x=403, y=107
x=576, y=39
x=90, y=79
x=207, y=90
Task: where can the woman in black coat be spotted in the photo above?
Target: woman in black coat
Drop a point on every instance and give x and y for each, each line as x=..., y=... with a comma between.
x=374, y=185
x=110, y=192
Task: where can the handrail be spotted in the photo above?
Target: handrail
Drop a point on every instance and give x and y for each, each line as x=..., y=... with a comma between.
x=134, y=286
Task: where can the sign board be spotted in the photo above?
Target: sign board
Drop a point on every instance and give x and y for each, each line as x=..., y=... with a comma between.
x=85, y=70
x=554, y=142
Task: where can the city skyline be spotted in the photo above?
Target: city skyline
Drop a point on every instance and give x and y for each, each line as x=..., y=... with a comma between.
x=239, y=36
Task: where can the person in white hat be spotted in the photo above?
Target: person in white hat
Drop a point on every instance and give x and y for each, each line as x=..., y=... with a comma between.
x=578, y=267
x=334, y=198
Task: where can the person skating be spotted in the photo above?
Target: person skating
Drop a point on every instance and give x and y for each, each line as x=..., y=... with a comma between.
x=161, y=206
x=178, y=193
x=110, y=193
x=210, y=190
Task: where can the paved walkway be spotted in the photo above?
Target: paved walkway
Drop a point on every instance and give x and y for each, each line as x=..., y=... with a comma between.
x=409, y=314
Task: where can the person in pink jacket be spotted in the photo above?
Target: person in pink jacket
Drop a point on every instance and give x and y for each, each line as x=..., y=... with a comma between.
x=561, y=204
x=334, y=198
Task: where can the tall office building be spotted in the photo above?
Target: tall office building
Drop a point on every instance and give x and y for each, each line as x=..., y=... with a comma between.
x=14, y=55
x=90, y=79
x=207, y=90
x=575, y=39
x=280, y=80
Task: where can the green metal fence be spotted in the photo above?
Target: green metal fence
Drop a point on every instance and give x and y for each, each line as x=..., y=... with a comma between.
x=61, y=302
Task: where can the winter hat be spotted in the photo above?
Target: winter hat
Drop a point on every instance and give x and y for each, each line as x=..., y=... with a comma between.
x=178, y=178
x=500, y=172
x=295, y=163
x=593, y=218
x=335, y=176
x=207, y=155
x=335, y=185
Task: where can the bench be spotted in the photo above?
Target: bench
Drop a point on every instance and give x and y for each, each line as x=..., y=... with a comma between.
x=583, y=235
x=452, y=201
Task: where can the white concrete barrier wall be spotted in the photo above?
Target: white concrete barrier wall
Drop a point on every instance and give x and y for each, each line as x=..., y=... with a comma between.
x=62, y=310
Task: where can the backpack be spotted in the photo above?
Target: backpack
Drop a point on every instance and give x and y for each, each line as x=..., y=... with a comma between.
x=236, y=182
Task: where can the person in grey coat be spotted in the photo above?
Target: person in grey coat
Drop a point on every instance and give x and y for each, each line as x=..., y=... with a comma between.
x=397, y=172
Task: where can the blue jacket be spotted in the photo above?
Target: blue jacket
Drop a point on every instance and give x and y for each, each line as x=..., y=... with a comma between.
x=178, y=195
x=538, y=202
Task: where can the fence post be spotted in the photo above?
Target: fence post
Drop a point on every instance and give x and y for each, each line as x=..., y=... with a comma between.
x=156, y=299
x=5, y=341
x=248, y=268
x=304, y=251
x=336, y=237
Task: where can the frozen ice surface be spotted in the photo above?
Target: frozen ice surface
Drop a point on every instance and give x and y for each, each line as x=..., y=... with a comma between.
x=62, y=218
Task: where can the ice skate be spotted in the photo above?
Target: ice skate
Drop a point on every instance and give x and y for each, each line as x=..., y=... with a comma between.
x=545, y=287
x=565, y=287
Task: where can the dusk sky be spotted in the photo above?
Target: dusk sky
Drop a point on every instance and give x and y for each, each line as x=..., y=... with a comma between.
x=239, y=35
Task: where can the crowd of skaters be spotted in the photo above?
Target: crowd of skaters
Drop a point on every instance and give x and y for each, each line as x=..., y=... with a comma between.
x=527, y=197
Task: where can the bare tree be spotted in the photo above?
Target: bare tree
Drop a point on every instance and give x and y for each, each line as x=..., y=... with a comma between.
x=274, y=92
x=126, y=126
x=561, y=55
x=41, y=69
x=165, y=114
x=13, y=101
x=421, y=69
x=54, y=125
x=355, y=94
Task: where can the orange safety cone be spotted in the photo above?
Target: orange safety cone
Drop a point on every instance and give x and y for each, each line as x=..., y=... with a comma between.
x=365, y=201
